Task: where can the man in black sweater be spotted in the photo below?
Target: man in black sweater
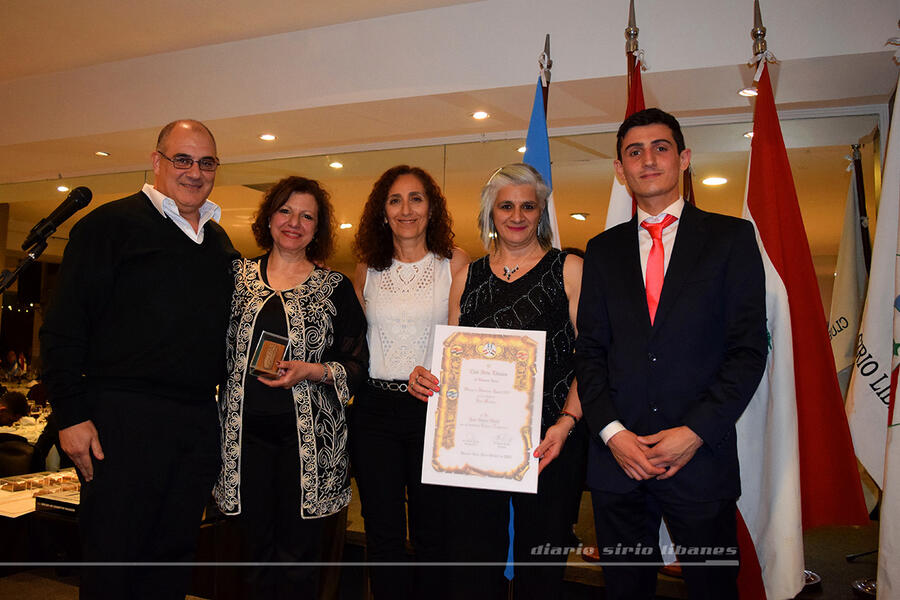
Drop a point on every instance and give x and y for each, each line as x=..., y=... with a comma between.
x=133, y=348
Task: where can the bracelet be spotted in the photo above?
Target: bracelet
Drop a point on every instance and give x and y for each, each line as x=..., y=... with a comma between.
x=324, y=373
x=565, y=413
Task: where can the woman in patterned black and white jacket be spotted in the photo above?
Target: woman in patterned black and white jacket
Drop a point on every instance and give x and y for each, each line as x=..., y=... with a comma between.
x=284, y=436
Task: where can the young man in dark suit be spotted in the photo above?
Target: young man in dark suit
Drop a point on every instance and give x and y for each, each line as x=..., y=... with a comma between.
x=672, y=344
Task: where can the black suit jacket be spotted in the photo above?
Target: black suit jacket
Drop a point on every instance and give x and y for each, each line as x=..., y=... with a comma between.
x=697, y=365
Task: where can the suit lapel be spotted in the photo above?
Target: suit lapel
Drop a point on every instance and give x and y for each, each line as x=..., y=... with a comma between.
x=689, y=242
x=634, y=294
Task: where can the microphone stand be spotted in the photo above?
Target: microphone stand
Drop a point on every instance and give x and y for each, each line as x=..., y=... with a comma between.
x=7, y=277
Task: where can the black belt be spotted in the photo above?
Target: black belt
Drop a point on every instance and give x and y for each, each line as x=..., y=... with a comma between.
x=390, y=386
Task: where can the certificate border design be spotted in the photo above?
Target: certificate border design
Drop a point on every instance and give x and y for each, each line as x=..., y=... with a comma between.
x=459, y=346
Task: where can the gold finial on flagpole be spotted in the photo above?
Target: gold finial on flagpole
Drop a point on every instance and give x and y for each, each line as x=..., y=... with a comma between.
x=758, y=33
x=631, y=32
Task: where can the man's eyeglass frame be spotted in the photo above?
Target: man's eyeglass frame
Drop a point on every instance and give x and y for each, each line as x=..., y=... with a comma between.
x=183, y=162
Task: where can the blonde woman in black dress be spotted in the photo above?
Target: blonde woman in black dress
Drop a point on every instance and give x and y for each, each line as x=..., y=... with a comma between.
x=522, y=283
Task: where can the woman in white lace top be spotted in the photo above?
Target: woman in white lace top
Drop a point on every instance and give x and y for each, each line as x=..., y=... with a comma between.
x=406, y=264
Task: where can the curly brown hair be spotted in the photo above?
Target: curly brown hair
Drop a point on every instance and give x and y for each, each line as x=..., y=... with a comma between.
x=322, y=244
x=374, y=244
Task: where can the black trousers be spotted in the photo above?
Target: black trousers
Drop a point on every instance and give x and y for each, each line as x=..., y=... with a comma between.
x=148, y=494
x=703, y=534
x=271, y=526
x=386, y=443
x=478, y=532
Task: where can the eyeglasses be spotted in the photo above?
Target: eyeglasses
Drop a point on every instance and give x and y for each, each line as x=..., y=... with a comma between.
x=181, y=161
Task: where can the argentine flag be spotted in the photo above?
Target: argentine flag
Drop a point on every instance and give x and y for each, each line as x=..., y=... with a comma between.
x=537, y=153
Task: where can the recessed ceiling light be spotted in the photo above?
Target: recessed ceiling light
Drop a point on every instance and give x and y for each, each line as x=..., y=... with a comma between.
x=748, y=91
x=521, y=149
x=579, y=216
x=267, y=137
x=336, y=165
x=101, y=153
x=480, y=115
x=715, y=181
x=346, y=225
x=748, y=134
x=62, y=188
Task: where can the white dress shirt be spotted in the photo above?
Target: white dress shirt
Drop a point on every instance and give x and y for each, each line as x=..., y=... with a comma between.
x=645, y=242
x=167, y=208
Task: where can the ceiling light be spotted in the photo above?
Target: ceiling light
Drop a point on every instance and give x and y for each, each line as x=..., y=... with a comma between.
x=101, y=153
x=267, y=137
x=480, y=115
x=62, y=188
x=579, y=216
x=521, y=149
x=715, y=181
x=748, y=91
x=748, y=134
x=336, y=165
x=346, y=225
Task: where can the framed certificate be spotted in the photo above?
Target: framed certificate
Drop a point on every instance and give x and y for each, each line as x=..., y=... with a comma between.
x=483, y=426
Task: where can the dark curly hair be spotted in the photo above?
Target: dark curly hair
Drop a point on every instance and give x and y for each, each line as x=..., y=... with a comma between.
x=322, y=244
x=374, y=244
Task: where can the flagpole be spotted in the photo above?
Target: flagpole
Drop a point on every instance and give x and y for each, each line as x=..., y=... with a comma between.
x=631, y=44
x=861, y=201
x=546, y=63
x=758, y=33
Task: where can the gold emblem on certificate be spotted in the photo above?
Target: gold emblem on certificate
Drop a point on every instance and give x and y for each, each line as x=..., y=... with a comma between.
x=483, y=427
x=270, y=349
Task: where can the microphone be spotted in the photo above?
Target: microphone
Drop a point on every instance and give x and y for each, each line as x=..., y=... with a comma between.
x=75, y=201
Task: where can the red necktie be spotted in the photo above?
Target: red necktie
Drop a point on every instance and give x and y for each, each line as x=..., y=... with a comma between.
x=656, y=271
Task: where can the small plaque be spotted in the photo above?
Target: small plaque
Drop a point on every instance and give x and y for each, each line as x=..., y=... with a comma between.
x=270, y=349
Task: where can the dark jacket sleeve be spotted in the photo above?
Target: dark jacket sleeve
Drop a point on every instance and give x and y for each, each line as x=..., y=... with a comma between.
x=82, y=288
x=349, y=348
x=592, y=346
x=746, y=342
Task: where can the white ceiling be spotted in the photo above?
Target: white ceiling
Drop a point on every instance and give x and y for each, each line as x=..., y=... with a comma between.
x=101, y=31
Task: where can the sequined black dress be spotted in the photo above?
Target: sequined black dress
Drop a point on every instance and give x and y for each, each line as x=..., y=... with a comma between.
x=477, y=519
x=535, y=301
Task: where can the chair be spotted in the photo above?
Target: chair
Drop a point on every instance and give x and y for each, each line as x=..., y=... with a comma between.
x=15, y=457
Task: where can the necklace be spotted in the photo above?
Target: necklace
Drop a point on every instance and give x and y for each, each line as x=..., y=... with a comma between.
x=507, y=272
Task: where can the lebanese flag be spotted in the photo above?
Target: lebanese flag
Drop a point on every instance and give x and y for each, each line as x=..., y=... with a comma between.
x=797, y=464
x=871, y=401
x=621, y=205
